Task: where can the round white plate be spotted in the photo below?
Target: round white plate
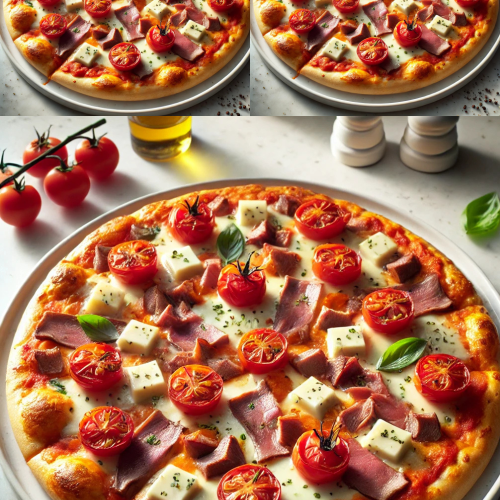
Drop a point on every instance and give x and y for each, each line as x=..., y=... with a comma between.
x=11, y=459
x=94, y=106
x=373, y=103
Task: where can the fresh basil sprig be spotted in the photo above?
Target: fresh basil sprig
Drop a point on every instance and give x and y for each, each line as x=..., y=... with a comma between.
x=230, y=244
x=482, y=215
x=401, y=354
x=97, y=328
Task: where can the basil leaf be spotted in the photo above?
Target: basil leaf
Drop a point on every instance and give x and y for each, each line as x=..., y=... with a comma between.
x=97, y=328
x=482, y=215
x=401, y=354
x=230, y=244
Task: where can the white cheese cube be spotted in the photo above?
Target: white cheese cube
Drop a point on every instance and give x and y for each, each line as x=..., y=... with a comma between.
x=104, y=300
x=182, y=263
x=440, y=26
x=146, y=381
x=390, y=442
x=72, y=5
x=173, y=484
x=86, y=54
x=193, y=30
x=334, y=49
x=157, y=9
x=378, y=248
x=405, y=6
x=313, y=397
x=138, y=338
x=251, y=212
x=346, y=340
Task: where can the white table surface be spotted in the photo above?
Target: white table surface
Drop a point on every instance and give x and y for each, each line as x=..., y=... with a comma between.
x=290, y=148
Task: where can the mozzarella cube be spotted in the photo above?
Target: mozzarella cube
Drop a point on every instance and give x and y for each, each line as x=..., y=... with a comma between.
x=183, y=263
x=250, y=213
x=86, y=54
x=405, y=6
x=173, y=484
x=346, y=340
x=334, y=49
x=314, y=397
x=72, y=5
x=390, y=442
x=104, y=300
x=146, y=381
x=440, y=26
x=138, y=338
x=193, y=30
x=157, y=9
x=378, y=249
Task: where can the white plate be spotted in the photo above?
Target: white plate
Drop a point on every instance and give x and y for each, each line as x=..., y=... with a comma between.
x=373, y=103
x=11, y=459
x=94, y=106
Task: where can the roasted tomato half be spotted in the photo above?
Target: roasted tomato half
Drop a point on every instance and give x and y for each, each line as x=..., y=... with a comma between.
x=407, y=33
x=346, y=6
x=263, y=350
x=336, y=264
x=106, y=431
x=241, y=285
x=195, y=389
x=191, y=224
x=388, y=311
x=441, y=377
x=302, y=21
x=249, y=482
x=98, y=8
x=372, y=51
x=53, y=26
x=320, y=219
x=160, y=39
x=133, y=262
x=125, y=56
x=321, y=457
x=221, y=5
x=95, y=366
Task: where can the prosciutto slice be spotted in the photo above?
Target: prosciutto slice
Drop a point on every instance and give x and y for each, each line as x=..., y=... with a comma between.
x=377, y=12
x=50, y=361
x=311, y=363
x=225, y=457
x=113, y=38
x=287, y=204
x=424, y=427
x=185, y=48
x=101, y=252
x=220, y=206
x=129, y=16
x=280, y=261
x=211, y=274
x=432, y=43
x=322, y=30
x=359, y=34
x=358, y=415
x=404, y=268
x=330, y=318
x=73, y=36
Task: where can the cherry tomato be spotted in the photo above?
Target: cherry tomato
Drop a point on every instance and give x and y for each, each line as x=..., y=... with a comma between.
x=336, y=264
x=388, y=311
x=106, y=431
x=19, y=204
x=195, y=389
x=321, y=460
x=133, y=262
x=191, y=224
x=53, y=26
x=98, y=157
x=48, y=3
x=221, y=5
x=67, y=187
x=125, y=56
x=302, y=21
x=249, y=482
x=96, y=366
x=320, y=219
x=408, y=34
x=372, y=51
x=39, y=146
x=160, y=39
x=98, y=8
x=263, y=350
x=346, y=6
x=469, y=4
x=441, y=377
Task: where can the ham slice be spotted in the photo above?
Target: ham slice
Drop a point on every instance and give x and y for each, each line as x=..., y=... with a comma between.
x=50, y=361
x=155, y=300
x=141, y=460
x=377, y=12
x=226, y=368
x=188, y=10
x=432, y=43
x=460, y=19
x=322, y=30
x=129, y=16
x=424, y=427
x=290, y=428
x=311, y=363
x=220, y=206
x=392, y=20
x=198, y=445
x=113, y=38
x=145, y=24
x=280, y=261
x=101, y=257
x=185, y=48
x=211, y=274
x=426, y=13
x=225, y=457
x=99, y=32
x=73, y=36
x=358, y=415
x=265, y=232
x=180, y=17
x=185, y=292
x=287, y=204
x=359, y=34
x=390, y=409
x=257, y=411
x=329, y=318
x=404, y=268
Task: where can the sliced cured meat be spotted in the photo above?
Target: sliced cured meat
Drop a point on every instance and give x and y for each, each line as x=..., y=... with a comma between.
x=211, y=274
x=460, y=19
x=424, y=427
x=426, y=13
x=390, y=64
x=392, y=20
x=345, y=372
x=226, y=368
x=185, y=48
x=359, y=34
x=322, y=30
x=432, y=43
x=113, y=38
x=220, y=206
x=99, y=32
x=225, y=457
x=101, y=258
x=185, y=292
x=358, y=415
x=280, y=261
x=198, y=356
x=73, y=36
x=287, y=204
x=141, y=460
x=177, y=316
x=180, y=17
x=50, y=361
x=390, y=409
x=290, y=428
x=311, y=363
x=145, y=24
x=265, y=232
x=198, y=445
x=329, y=318
x=404, y=268
x=155, y=300
x=377, y=12
x=257, y=411
x=129, y=16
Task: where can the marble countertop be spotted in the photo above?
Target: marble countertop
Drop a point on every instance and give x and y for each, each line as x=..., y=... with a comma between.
x=289, y=148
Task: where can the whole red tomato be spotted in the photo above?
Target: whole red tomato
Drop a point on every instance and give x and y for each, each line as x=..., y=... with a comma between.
x=98, y=157
x=67, y=186
x=19, y=204
x=191, y=224
x=39, y=146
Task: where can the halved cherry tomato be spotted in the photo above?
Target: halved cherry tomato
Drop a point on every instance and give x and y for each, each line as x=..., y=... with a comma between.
x=346, y=6
x=320, y=219
x=19, y=204
x=133, y=262
x=221, y=5
x=106, y=431
x=388, y=311
x=48, y=3
x=67, y=187
x=95, y=366
x=241, y=285
x=249, y=482
x=263, y=350
x=99, y=157
x=125, y=56
x=336, y=264
x=469, y=4
x=195, y=389
x=191, y=224
x=160, y=39
x=372, y=51
x=408, y=34
x=53, y=26
x=98, y=8
x=302, y=21
x=321, y=457
x=441, y=377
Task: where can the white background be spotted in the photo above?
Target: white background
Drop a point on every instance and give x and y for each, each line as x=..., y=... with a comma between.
x=290, y=148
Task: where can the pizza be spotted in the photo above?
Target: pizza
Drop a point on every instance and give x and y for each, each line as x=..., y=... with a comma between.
x=257, y=343
x=128, y=50
x=376, y=46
